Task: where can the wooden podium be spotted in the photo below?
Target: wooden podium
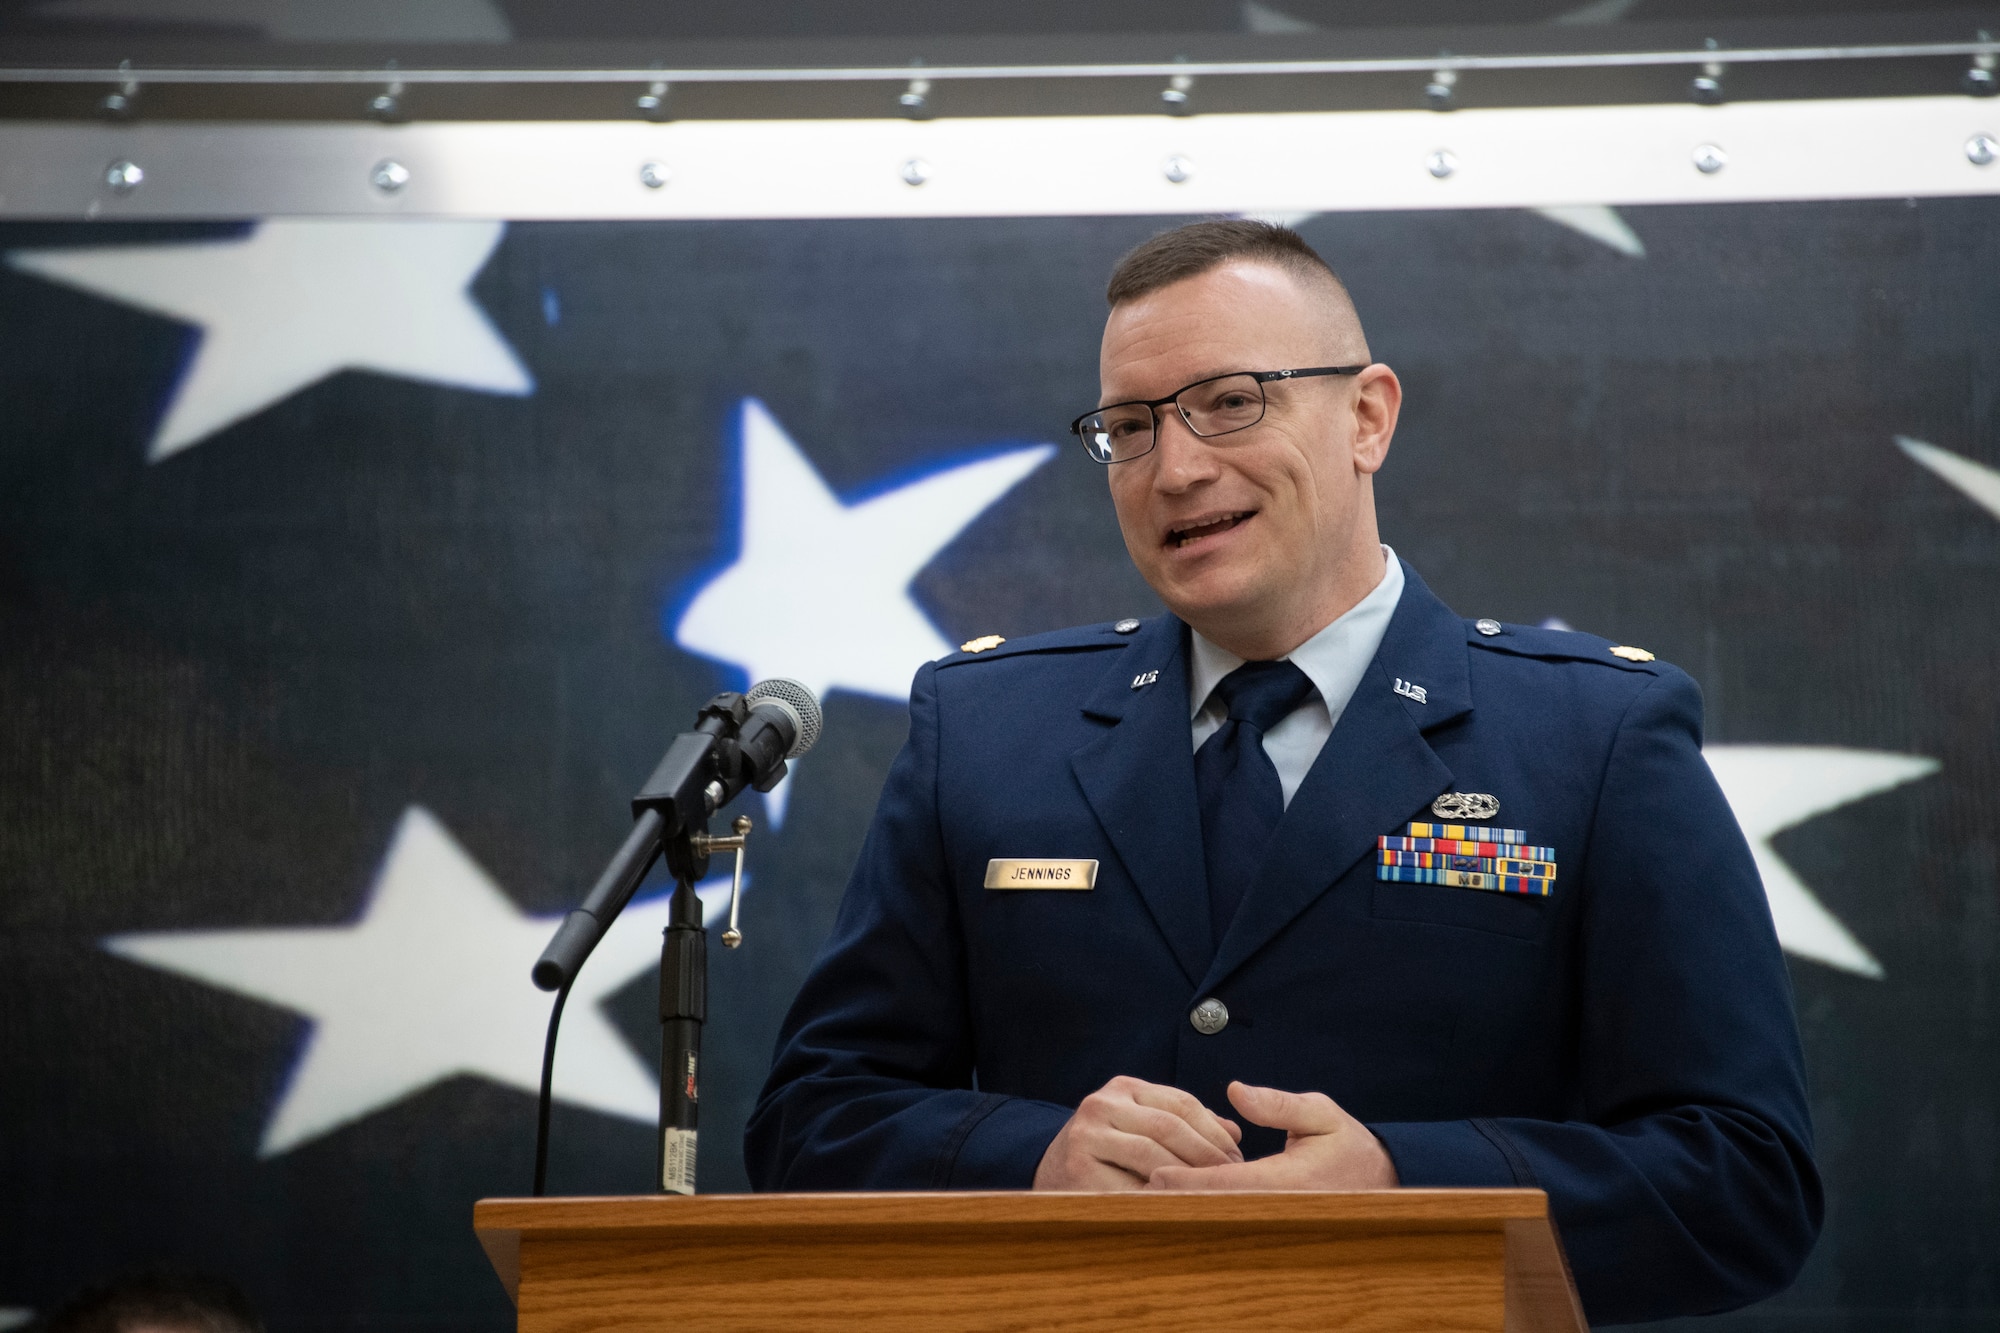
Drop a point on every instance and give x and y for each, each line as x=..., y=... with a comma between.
x=1412, y=1259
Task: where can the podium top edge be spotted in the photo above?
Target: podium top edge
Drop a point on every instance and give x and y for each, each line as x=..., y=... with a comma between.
x=1414, y=1209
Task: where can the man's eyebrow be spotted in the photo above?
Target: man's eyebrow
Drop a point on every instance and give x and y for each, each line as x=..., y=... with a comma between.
x=1104, y=402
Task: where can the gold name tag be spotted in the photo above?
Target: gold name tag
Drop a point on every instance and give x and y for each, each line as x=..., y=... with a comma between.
x=1041, y=874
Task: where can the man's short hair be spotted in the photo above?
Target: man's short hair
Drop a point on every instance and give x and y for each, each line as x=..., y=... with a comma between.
x=157, y=1299
x=1194, y=249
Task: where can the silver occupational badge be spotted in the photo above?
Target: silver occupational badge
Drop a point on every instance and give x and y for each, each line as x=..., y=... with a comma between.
x=1465, y=805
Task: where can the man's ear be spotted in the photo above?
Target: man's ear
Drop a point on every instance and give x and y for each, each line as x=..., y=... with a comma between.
x=1378, y=400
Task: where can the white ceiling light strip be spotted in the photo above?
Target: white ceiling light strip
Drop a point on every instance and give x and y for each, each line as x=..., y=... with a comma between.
x=1031, y=166
x=222, y=75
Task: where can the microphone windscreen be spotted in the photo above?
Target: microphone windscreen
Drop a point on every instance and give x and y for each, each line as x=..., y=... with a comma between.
x=797, y=700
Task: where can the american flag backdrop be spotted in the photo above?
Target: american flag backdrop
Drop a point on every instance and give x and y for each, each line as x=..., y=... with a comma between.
x=353, y=574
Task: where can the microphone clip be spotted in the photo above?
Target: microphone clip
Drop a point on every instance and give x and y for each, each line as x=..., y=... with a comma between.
x=700, y=772
x=705, y=845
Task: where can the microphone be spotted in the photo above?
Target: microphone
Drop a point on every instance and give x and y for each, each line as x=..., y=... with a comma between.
x=781, y=721
x=738, y=741
x=784, y=723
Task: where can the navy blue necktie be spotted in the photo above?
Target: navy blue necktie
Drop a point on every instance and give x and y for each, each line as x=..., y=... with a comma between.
x=1236, y=783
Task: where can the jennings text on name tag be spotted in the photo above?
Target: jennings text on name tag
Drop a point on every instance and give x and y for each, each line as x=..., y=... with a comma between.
x=1041, y=874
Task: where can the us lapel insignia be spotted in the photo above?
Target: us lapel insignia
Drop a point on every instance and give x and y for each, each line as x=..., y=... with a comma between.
x=1409, y=691
x=1144, y=678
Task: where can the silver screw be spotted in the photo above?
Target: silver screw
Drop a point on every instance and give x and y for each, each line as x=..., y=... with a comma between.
x=1178, y=169
x=1706, y=88
x=389, y=176
x=123, y=177
x=1175, y=96
x=1981, y=149
x=1979, y=82
x=915, y=100
x=652, y=104
x=1441, y=163
x=387, y=105
x=122, y=104
x=1708, y=159
x=916, y=171
x=1438, y=93
x=654, y=175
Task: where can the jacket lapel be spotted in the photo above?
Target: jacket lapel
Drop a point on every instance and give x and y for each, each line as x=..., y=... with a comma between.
x=1375, y=772
x=1139, y=779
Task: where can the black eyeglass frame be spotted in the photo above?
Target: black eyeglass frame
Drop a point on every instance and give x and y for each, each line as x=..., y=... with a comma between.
x=1262, y=377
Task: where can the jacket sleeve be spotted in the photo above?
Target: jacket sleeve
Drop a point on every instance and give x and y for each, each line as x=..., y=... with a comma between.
x=872, y=1085
x=1684, y=1183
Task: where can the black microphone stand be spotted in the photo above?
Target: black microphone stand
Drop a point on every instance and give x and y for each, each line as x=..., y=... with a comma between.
x=684, y=997
x=683, y=1009
x=702, y=771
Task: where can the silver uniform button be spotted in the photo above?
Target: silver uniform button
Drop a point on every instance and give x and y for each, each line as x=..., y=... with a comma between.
x=1487, y=627
x=1125, y=626
x=1209, y=1017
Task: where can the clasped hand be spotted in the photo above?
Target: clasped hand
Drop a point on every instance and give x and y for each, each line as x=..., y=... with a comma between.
x=1131, y=1134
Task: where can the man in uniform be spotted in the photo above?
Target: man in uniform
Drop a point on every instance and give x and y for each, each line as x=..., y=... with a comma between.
x=1310, y=883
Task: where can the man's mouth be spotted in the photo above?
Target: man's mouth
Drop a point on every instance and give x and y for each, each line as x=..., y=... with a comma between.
x=1207, y=527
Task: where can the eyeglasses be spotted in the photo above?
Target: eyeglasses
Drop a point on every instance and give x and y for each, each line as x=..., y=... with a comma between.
x=1214, y=406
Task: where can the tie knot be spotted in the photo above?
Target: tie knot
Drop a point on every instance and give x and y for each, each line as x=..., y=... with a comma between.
x=1260, y=694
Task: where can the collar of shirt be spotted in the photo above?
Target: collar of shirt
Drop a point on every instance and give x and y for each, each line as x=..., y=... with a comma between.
x=1334, y=660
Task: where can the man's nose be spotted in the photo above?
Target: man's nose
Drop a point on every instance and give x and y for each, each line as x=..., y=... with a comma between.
x=1184, y=457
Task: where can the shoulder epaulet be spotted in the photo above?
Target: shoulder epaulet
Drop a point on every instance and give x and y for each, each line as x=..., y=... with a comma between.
x=992, y=647
x=1566, y=645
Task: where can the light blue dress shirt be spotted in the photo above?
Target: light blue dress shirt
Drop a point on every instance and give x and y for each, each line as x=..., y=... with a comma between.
x=1334, y=660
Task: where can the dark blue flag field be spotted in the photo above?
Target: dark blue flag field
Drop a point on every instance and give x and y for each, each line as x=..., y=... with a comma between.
x=353, y=574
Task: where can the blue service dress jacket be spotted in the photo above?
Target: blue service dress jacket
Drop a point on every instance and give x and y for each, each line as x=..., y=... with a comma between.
x=1626, y=1043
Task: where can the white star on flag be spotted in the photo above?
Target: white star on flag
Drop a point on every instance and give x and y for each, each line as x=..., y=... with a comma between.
x=1600, y=223
x=431, y=983
x=820, y=589
x=1979, y=483
x=1775, y=787
x=298, y=300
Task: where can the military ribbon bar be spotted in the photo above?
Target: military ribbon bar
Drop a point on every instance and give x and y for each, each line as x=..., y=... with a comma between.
x=1493, y=865
x=1467, y=832
x=1465, y=879
x=1392, y=843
